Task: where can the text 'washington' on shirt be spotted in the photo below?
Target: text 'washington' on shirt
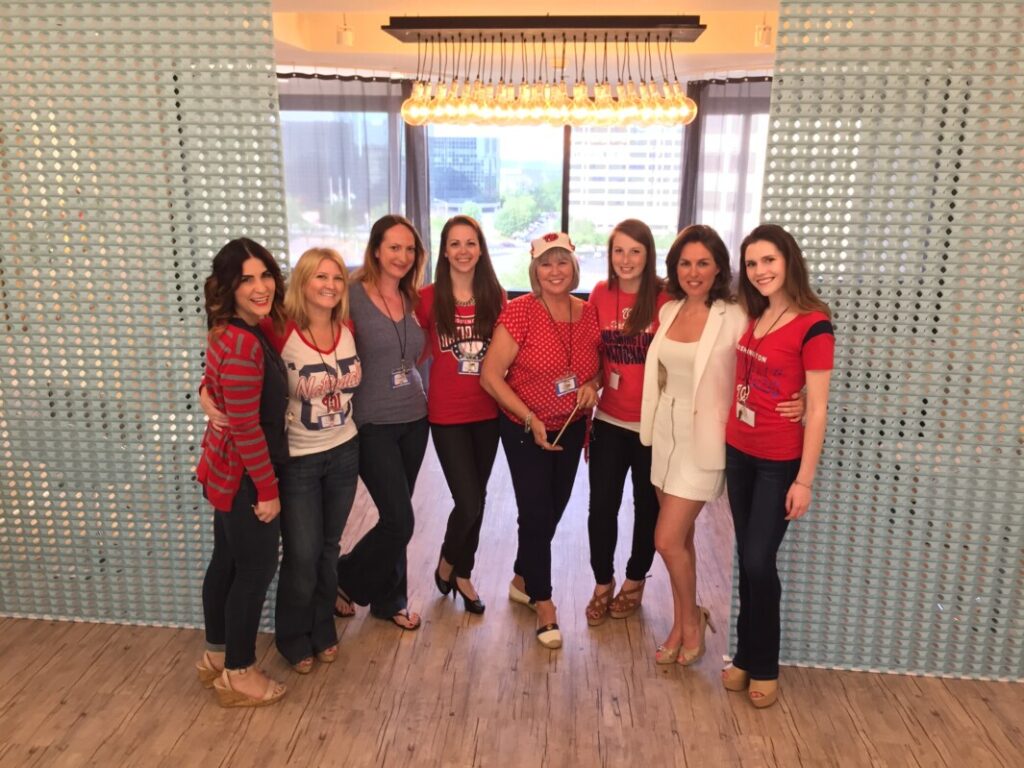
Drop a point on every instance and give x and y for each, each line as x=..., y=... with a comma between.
x=548, y=353
x=381, y=342
x=454, y=396
x=775, y=367
x=622, y=356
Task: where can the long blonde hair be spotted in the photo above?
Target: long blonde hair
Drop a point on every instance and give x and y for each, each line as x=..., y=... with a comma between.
x=302, y=273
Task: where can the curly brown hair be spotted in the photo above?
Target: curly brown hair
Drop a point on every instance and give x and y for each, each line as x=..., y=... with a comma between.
x=227, y=274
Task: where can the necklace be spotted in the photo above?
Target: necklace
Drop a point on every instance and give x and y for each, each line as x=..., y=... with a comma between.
x=743, y=390
x=558, y=333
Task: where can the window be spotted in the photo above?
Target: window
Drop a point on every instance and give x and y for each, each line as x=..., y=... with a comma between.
x=507, y=178
x=348, y=156
x=622, y=173
x=336, y=177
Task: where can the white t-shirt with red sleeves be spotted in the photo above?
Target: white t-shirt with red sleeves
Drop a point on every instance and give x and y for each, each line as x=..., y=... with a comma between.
x=775, y=368
x=548, y=352
x=622, y=356
x=455, y=395
x=320, y=387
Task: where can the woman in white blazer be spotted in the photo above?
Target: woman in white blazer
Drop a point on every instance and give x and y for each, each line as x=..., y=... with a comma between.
x=688, y=380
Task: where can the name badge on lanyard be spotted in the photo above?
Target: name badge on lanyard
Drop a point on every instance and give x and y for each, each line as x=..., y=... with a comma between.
x=744, y=414
x=469, y=367
x=331, y=420
x=566, y=384
x=400, y=376
x=613, y=379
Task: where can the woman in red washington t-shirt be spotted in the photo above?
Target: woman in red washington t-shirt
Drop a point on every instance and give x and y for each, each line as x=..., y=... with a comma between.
x=543, y=368
x=627, y=312
x=771, y=462
x=459, y=311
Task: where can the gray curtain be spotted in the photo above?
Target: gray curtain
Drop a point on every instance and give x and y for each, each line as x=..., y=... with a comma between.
x=723, y=156
x=348, y=159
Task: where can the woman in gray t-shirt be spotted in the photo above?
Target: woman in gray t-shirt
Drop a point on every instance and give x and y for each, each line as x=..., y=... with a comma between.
x=391, y=412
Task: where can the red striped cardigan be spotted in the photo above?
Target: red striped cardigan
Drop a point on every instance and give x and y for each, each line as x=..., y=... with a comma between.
x=234, y=379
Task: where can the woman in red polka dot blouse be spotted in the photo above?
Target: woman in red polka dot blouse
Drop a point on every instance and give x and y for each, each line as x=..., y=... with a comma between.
x=543, y=368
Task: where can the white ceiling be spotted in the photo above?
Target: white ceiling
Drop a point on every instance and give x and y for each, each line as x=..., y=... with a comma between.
x=306, y=31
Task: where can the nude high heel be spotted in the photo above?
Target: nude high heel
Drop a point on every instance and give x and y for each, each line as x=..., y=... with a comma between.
x=688, y=656
x=734, y=678
x=763, y=693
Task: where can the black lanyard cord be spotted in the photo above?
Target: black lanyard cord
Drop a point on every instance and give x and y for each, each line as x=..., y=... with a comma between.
x=404, y=337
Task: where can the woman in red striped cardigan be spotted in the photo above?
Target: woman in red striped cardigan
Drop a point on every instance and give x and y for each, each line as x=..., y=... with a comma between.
x=238, y=469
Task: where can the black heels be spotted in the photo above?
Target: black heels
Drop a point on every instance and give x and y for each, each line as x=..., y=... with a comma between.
x=470, y=604
x=444, y=587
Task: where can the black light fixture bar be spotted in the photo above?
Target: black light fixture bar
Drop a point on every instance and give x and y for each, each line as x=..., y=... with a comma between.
x=680, y=29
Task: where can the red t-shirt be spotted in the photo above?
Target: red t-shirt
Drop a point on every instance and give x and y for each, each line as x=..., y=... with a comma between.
x=453, y=397
x=775, y=366
x=621, y=354
x=547, y=352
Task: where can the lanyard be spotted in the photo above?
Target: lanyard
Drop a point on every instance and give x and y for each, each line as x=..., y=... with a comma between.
x=743, y=390
x=405, y=330
x=330, y=370
x=558, y=333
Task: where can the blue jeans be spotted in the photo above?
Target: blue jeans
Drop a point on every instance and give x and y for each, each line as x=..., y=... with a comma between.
x=241, y=568
x=316, y=497
x=757, y=496
x=374, y=572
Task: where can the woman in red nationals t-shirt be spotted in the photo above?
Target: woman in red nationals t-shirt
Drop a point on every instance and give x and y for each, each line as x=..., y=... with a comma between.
x=770, y=462
x=459, y=311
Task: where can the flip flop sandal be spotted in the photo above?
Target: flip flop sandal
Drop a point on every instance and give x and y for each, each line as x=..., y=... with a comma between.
x=396, y=619
x=349, y=611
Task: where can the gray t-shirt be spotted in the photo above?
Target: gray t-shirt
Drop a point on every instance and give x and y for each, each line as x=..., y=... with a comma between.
x=379, y=344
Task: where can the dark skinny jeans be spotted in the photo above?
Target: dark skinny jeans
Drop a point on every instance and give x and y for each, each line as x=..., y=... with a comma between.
x=466, y=453
x=241, y=568
x=542, y=481
x=614, y=451
x=374, y=572
x=757, y=496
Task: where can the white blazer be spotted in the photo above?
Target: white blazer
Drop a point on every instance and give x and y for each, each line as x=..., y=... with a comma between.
x=714, y=380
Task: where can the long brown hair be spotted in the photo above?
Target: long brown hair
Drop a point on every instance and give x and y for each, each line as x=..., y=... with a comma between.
x=706, y=236
x=487, y=293
x=224, y=278
x=797, y=283
x=410, y=283
x=642, y=314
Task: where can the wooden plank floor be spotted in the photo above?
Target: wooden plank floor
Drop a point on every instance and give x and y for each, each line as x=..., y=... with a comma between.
x=479, y=691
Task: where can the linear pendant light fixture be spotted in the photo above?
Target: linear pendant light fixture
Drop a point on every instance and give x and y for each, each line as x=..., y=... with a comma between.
x=556, y=70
